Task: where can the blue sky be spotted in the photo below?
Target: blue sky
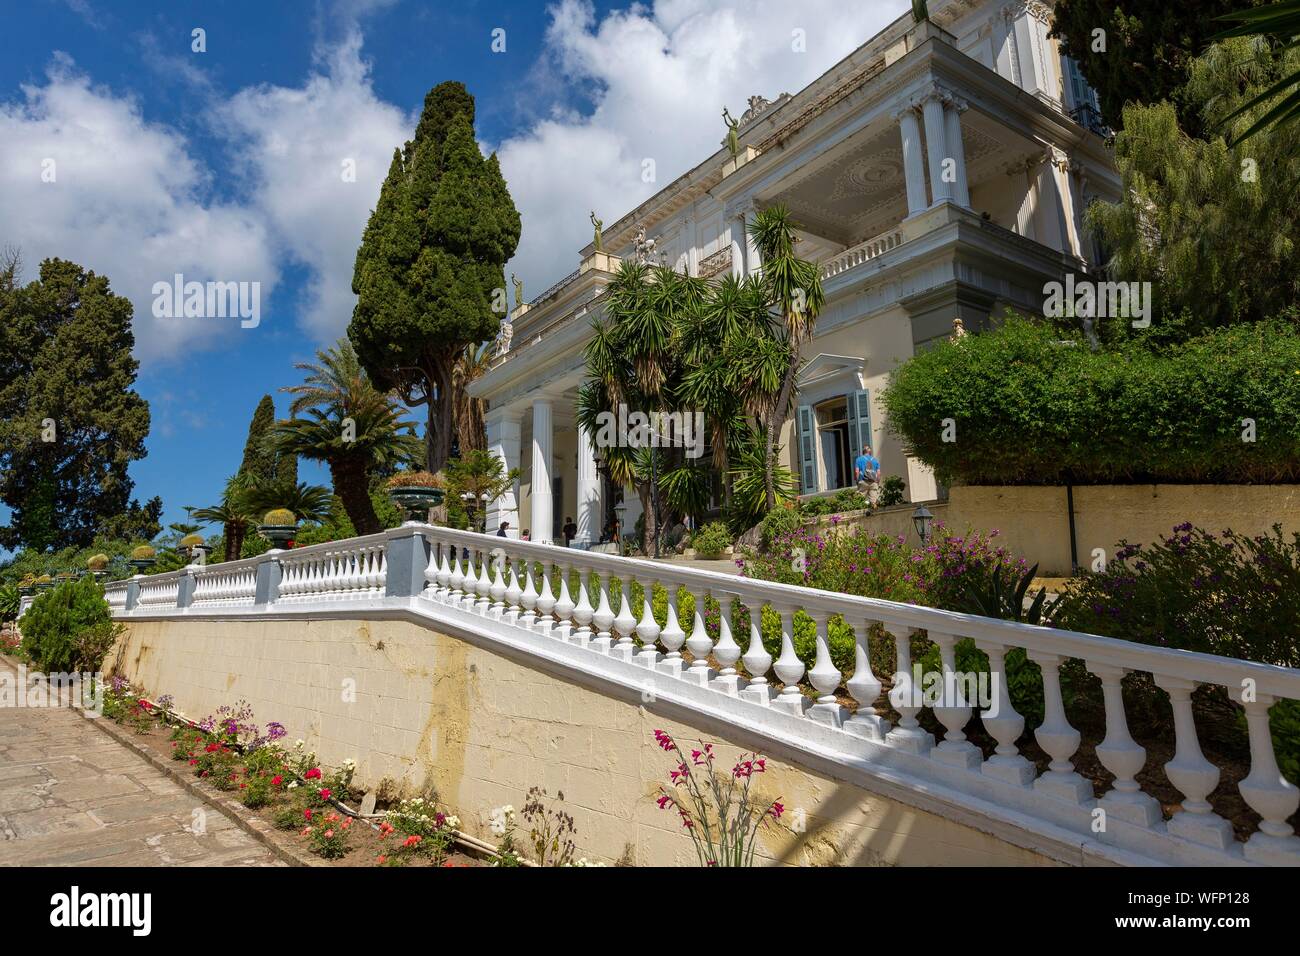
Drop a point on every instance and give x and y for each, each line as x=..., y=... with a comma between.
x=225, y=164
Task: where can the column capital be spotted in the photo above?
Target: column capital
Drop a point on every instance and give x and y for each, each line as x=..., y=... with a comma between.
x=1034, y=8
x=934, y=91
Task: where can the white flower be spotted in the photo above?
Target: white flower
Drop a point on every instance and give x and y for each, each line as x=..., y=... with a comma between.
x=453, y=822
x=299, y=744
x=293, y=785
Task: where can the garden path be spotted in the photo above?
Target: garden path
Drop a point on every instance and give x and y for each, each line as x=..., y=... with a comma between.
x=72, y=796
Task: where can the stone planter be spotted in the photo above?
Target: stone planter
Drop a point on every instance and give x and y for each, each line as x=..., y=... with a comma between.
x=416, y=500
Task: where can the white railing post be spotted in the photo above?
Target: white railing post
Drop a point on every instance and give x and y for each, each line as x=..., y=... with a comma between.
x=825, y=678
x=757, y=660
x=953, y=711
x=905, y=696
x=1003, y=723
x=726, y=652
x=1122, y=755
x=699, y=644
x=1193, y=775
x=789, y=668
x=545, y=601
x=864, y=687
x=603, y=618
x=672, y=637
x=583, y=612
x=1058, y=739
x=648, y=628
x=564, y=604
x=625, y=623
x=1268, y=793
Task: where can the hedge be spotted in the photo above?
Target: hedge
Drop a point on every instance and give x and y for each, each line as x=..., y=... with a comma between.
x=1029, y=405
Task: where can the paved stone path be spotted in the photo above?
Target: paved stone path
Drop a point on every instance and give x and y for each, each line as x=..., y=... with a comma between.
x=72, y=796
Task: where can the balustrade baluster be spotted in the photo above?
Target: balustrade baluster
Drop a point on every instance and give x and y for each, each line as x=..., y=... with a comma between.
x=726, y=652
x=498, y=589
x=484, y=585
x=648, y=629
x=864, y=687
x=529, y=598
x=1193, y=775
x=905, y=696
x=455, y=580
x=700, y=644
x=1122, y=755
x=953, y=710
x=1058, y=739
x=564, y=605
x=789, y=668
x=1003, y=723
x=672, y=637
x=444, y=572
x=1268, y=793
x=513, y=593
x=625, y=623
x=825, y=678
x=757, y=659
x=545, y=601
x=583, y=611
x=603, y=619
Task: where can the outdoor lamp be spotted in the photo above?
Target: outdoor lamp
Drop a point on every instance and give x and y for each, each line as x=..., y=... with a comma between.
x=921, y=519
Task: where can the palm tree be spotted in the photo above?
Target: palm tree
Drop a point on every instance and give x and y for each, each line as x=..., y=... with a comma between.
x=307, y=502
x=1281, y=22
x=481, y=475
x=467, y=411
x=350, y=425
x=794, y=295
x=232, y=513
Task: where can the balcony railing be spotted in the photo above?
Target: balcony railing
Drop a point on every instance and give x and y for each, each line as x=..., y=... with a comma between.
x=537, y=596
x=862, y=252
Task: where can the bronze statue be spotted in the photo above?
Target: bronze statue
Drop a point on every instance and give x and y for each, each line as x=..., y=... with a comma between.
x=519, y=290
x=597, y=224
x=733, y=137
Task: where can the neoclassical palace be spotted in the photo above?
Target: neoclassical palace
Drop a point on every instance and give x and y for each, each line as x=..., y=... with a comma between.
x=937, y=173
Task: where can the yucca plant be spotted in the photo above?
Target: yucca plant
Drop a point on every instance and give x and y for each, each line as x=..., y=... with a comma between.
x=1279, y=22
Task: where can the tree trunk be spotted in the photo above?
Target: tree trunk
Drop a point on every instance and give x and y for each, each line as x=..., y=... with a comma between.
x=648, y=517
x=353, y=488
x=775, y=419
x=440, y=426
x=232, y=543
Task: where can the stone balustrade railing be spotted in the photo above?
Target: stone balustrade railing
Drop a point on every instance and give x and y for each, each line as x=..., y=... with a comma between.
x=225, y=585
x=862, y=252
x=115, y=594
x=526, y=591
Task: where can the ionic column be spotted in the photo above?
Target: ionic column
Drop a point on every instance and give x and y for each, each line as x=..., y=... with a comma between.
x=909, y=130
x=753, y=258
x=589, y=510
x=952, y=139
x=503, y=429
x=1051, y=217
x=540, y=493
x=936, y=147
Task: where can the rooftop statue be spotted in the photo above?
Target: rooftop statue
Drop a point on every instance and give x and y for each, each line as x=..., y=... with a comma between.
x=597, y=224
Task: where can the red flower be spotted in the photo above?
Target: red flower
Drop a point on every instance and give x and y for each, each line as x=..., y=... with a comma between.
x=778, y=808
x=664, y=741
x=412, y=840
x=312, y=774
x=325, y=793
x=307, y=814
x=382, y=859
x=145, y=705
x=664, y=802
x=277, y=780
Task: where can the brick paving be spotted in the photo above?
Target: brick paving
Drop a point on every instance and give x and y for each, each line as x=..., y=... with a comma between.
x=72, y=796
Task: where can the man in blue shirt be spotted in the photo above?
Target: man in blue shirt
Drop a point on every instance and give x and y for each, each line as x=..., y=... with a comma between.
x=866, y=471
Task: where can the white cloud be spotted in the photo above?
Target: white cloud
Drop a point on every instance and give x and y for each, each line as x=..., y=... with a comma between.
x=294, y=142
x=658, y=77
x=125, y=201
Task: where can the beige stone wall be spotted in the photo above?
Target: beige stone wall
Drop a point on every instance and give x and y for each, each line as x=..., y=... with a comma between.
x=437, y=713
x=1032, y=521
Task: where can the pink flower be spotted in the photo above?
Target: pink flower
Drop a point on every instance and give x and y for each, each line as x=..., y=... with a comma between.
x=664, y=741
x=664, y=802
x=778, y=808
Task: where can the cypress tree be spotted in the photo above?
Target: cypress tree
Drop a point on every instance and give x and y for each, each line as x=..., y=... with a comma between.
x=259, y=457
x=431, y=263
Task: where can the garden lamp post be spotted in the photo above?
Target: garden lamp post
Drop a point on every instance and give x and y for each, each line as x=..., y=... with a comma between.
x=921, y=520
x=471, y=507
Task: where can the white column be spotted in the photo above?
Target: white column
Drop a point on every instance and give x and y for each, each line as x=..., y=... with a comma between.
x=1030, y=32
x=952, y=139
x=1051, y=219
x=691, y=231
x=540, y=492
x=589, y=510
x=909, y=129
x=936, y=148
x=503, y=441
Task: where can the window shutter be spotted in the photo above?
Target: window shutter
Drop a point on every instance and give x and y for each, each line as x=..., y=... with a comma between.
x=859, y=421
x=807, y=449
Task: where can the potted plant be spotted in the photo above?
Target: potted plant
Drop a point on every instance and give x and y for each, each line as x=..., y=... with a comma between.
x=142, y=558
x=279, y=526
x=97, y=564
x=27, y=585
x=416, y=492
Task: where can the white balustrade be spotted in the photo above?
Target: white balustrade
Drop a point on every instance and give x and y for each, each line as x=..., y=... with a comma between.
x=221, y=586
x=510, y=585
x=862, y=252
x=115, y=595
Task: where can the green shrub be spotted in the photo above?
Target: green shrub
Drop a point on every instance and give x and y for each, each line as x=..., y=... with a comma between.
x=893, y=491
x=9, y=603
x=711, y=540
x=1033, y=405
x=58, y=618
x=778, y=522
